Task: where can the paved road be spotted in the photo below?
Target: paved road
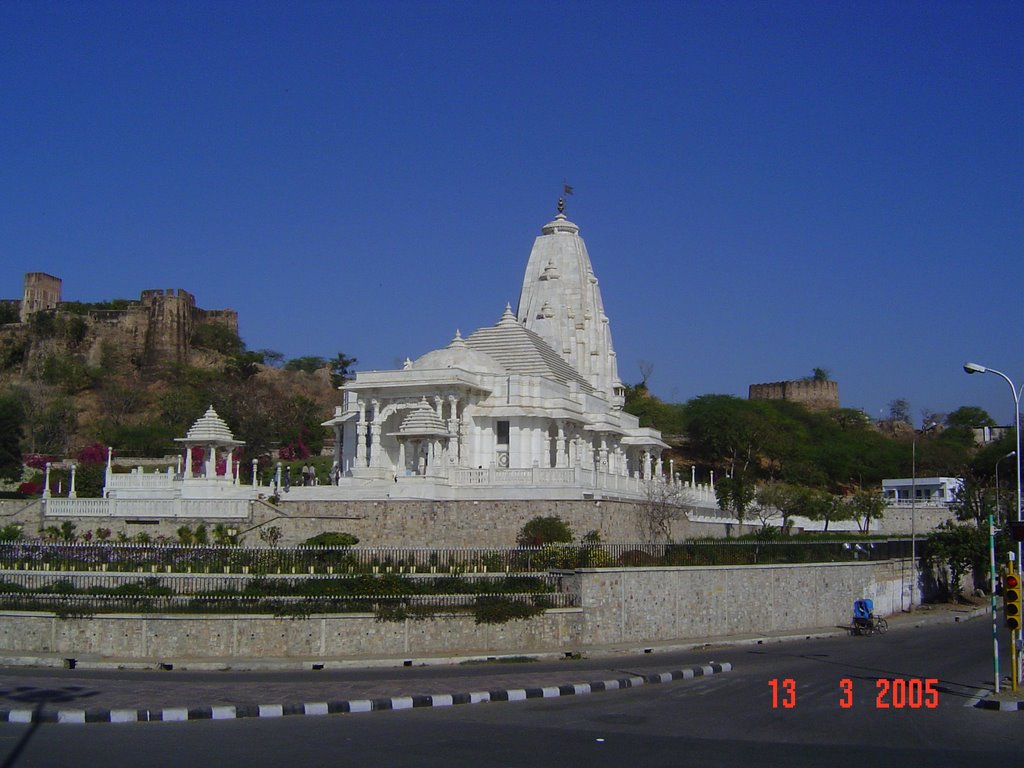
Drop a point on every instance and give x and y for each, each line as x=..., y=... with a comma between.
x=99, y=688
x=725, y=719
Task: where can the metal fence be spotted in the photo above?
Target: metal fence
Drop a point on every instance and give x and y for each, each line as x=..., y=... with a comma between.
x=69, y=582
x=172, y=558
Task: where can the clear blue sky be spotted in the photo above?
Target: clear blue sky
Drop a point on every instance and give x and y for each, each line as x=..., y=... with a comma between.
x=764, y=187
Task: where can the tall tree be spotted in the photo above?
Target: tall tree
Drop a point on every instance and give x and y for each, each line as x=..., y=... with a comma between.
x=736, y=494
x=867, y=505
x=728, y=432
x=969, y=416
x=12, y=428
x=824, y=507
x=899, y=410
x=309, y=363
x=341, y=367
x=781, y=498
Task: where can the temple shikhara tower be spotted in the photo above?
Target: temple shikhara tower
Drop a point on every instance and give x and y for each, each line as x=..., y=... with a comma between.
x=561, y=303
x=531, y=405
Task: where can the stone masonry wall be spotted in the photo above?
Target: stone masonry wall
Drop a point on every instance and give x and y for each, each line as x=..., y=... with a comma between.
x=459, y=523
x=657, y=604
x=155, y=330
x=623, y=607
x=172, y=638
x=441, y=524
x=816, y=395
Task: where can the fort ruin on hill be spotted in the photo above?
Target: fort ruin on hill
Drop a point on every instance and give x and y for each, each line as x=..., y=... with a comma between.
x=815, y=394
x=157, y=329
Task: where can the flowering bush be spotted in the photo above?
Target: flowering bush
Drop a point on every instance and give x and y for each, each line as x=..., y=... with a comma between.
x=37, y=460
x=93, y=454
x=294, y=450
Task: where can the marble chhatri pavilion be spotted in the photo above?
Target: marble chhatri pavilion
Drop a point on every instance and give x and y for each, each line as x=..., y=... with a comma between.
x=531, y=405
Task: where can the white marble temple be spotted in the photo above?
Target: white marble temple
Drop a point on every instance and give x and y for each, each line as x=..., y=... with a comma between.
x=538, y=392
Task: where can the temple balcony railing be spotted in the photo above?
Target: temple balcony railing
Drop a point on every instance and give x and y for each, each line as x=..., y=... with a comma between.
x=136, y=479
x=578, y=477
x=147, y=508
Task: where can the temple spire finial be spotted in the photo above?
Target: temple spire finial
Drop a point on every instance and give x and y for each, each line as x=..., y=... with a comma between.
x=566, y=191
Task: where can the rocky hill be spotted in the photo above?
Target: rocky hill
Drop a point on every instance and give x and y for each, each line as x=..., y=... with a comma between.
x=135, y=374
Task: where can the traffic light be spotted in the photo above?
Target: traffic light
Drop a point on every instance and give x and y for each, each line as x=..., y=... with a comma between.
x=1011, y=600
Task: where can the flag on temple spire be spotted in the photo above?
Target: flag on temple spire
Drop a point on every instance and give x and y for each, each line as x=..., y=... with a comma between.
x=567, y=189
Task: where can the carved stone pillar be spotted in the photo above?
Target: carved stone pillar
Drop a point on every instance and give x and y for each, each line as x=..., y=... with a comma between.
x=455, y=443
x=376, y=452
x=361, y=436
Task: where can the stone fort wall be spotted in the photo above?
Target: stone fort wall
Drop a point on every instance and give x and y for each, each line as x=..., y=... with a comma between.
x=816, y=395
x=153, y=331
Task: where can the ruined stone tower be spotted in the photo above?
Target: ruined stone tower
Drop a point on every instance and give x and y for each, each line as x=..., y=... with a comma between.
x=42, y=291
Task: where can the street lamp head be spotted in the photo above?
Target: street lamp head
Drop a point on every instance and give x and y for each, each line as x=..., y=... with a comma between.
x=974, y=368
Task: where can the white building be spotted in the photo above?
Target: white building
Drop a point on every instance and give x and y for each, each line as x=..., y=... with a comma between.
x=923, y=490
x=532, y=402
x=204, y=484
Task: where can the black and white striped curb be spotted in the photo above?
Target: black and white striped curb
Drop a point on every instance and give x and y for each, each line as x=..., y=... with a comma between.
x=1001, y=706
x=235, y=712
x=980, y=700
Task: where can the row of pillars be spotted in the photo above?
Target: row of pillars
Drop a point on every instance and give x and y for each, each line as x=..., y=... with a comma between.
x=72, y=494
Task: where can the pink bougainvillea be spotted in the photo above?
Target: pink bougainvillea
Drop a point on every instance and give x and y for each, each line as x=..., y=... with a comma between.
x=93, y=454
x=37, y=460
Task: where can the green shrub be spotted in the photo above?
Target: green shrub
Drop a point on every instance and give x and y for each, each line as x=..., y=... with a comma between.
x=400, y=611
x=331, y=539
x=499, y=610
x=545, y=530
x=68, y=374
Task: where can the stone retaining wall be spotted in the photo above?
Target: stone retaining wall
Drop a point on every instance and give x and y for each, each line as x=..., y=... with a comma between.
x=409, y=523
x=173, y=638
x=637, y=605
x=394, y=523
x=619, y=606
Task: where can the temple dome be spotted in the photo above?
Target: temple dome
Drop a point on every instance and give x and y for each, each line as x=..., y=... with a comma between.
x=422, y=422
x=210, y=429
x=459, y=355
x=560, y=224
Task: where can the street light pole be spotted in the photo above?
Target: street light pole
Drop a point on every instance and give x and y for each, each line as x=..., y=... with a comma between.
x=1010, y=455
x=913, y=518
x=992, y=576
x=992, y=520
x=975, y=368
x=913, y=508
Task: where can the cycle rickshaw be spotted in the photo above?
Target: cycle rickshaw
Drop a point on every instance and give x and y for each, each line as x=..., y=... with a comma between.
x=864, y=620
